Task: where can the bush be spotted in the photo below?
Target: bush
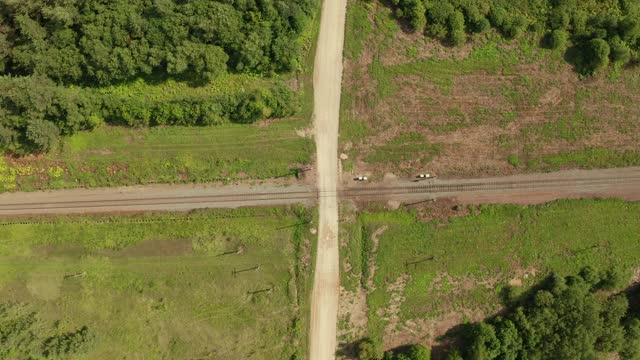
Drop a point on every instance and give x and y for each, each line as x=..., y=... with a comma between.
x=620, y=51
x=558, y=39
x=419, y=352
x=597, y=54
x=369, y=349
x=513, y=160
x=458, y=37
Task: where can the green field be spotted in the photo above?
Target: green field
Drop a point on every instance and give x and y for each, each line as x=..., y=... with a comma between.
x=493, y=106
x=445, y=272
x=159, y=286
x=111, y=156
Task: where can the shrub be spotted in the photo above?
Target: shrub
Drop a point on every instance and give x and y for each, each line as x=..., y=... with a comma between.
x=513, y=160
x=369, y=349
x=558, y=39
x=458, y=37
x=620, y=51
x=597, y=54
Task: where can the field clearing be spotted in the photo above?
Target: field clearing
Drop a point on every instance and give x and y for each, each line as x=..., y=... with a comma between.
x=490, y=107
x=161, y=285
x=111, y=156
x=420, y=278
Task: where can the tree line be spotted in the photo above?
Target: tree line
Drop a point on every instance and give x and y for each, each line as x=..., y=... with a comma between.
x=97, y=41
x=35, y=111
x=611, y=35
x=577, y=317
x=54, y=55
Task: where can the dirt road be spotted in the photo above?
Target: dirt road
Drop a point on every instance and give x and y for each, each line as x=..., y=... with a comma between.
x=327, y=84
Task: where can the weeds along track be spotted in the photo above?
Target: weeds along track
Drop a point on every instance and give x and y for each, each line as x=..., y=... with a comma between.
x=435, y=188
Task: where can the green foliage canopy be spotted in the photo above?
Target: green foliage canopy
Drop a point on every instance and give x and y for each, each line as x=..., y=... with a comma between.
x=602, y=34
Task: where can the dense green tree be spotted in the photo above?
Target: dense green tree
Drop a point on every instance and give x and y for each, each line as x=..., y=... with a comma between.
x=7, y=137
x=563, y=320
x=106, y=42
x=416, y=13
x=42, y=134
x=631, y=348
x=597, y=54
x=612, y=337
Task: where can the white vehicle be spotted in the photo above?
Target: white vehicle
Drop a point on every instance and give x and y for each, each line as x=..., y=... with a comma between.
x=361, y=178
x=426, y=176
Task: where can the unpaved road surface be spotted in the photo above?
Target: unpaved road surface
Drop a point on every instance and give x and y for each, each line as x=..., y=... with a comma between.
x=525, y=189
x=327, y=84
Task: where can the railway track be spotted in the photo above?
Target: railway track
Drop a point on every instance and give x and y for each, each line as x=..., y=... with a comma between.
x=433, y=189
x=465, y=187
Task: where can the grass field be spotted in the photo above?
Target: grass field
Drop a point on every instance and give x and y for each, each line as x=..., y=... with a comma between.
x=112, y=156
x=492, y=106
x=423, y=277
x=158, y=286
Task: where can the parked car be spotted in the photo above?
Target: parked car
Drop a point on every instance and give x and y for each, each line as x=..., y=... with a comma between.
x=361, y=178
x=426, y=176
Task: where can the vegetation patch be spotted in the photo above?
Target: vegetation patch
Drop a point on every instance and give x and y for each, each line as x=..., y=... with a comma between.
x=76, y=67
x=112, y=156
x=203, y=284
x=459, y=269
x=600, y=31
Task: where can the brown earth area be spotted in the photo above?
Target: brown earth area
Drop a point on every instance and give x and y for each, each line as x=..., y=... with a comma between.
x=532, y=109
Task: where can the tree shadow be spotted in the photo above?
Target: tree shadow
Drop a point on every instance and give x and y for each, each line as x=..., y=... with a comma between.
x=455, y=338
x=349, y=350
x=633, y=295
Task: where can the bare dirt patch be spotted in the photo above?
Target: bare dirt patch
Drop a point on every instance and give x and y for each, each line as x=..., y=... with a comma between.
x=440, y=209
x=353, y=314
x=391, y=313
